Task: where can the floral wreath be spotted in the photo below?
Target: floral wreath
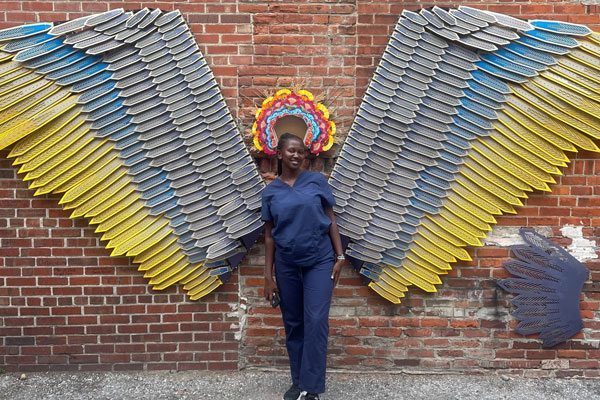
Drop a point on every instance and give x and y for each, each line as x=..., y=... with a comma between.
x=319, y=132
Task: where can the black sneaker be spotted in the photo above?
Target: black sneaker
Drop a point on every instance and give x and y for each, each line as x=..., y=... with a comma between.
x=311, y=396
x=293, y=393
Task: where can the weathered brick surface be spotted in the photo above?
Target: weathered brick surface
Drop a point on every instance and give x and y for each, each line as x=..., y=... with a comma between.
x=66, y=305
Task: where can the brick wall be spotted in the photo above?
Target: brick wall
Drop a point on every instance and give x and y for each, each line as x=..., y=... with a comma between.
x=65, y=304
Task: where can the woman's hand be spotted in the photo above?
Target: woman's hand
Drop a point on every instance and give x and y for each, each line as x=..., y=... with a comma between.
x=270, y=287
x=337, y=270
x=336, y=242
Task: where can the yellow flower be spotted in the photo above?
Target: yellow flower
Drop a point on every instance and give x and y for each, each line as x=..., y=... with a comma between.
x=257, y=144
x=306, y=94
x=254, y=129
x=332, y=128
x=267, y=102
x=282, y=93
x=258, y=112
x=329, y=143
x=323, y=110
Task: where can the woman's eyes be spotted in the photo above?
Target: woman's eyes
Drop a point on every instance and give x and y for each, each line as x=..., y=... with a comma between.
x=301, y=152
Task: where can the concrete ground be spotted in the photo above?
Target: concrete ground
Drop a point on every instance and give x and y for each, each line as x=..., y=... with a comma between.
x=265, y=385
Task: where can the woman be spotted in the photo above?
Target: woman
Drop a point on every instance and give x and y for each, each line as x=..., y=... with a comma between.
x=303, y=246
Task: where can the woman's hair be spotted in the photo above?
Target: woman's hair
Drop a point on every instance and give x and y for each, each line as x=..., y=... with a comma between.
x=283, y=139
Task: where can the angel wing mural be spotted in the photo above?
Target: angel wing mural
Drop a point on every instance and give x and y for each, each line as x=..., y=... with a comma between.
x=120, y=114
x=467, y=111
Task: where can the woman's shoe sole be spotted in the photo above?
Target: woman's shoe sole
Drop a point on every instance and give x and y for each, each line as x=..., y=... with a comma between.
x=299, y=397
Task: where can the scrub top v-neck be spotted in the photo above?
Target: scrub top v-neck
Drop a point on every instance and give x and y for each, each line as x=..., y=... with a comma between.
x=300, y=226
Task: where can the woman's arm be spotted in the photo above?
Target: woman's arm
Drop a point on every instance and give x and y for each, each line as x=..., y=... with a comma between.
x=336, y=241
x=270, y=285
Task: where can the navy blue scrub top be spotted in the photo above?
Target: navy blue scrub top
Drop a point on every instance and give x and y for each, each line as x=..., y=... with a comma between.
x=300, y=225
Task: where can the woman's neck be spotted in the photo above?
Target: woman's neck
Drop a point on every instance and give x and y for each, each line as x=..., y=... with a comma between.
x=289, y=176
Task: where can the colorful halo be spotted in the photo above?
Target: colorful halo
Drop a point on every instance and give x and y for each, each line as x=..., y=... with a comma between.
x=285, y=103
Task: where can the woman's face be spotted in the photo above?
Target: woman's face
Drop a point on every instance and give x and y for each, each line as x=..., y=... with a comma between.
x=292, y=154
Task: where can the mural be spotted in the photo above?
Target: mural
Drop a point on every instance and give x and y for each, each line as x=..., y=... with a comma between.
x=466, y=113
x=120, y=114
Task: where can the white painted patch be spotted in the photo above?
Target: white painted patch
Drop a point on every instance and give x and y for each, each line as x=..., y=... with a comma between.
x=580, y=248
x=241, y=310
x=505, y=236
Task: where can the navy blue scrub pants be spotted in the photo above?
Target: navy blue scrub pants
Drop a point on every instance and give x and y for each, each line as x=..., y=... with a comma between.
x=305, y=299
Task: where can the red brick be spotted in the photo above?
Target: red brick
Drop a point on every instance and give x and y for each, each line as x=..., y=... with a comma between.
x=418, y=332
x=541, y=354
x=434, y=322
x=510, y=353
x=387, y=332
x=355, y=332
x=584, y=364
x=464, y=323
